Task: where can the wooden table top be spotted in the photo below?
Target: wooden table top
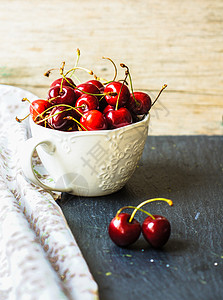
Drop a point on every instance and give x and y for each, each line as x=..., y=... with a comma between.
x=177, y=43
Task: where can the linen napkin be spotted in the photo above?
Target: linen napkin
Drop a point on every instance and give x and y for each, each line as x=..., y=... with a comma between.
x=39, y=257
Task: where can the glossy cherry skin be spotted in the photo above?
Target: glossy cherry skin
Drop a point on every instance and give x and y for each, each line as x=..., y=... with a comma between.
x=156, y=231
x=57, y=82
x=118, y=118
x=142, y=104
x=59, y=119
x=64, y=96
x=86, y=88
x=38, y=107
x=108, y=108
x=94, y=120
x=97, y=83
x=123, y=233
x=115, y=87
x=87, y=102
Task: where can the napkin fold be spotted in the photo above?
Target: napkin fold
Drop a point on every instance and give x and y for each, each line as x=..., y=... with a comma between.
x=39, y=257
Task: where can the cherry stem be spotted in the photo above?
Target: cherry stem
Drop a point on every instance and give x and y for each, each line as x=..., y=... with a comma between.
x=79, y=68
x=100, y=79
x=65, y=105
x=47, y=73
x=131, y=84
x=170, y=202
x=71, y=118
x=20, y=120
x=163, y=88
x=115, y=75
x=77, y=60
x=109, y=93
x=124, y=207
x=61, y=70
x=126, y=75
x=53, y=98
x=49, y=117
x=69, y=107
x=76, y=64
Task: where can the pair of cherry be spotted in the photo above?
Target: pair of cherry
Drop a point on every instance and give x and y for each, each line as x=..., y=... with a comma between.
x=124, y=230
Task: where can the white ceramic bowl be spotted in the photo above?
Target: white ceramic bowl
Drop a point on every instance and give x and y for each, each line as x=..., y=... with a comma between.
x=86, y=163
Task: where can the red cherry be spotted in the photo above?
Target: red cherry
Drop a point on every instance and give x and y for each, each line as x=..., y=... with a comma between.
x=58, y=119
x=108, y=108
x=156, y=231
x=66, y=95
x=87, y=88
x=122, y=232
x=38, y=107
x=97, y=83
x=118, y=118
x=57, y=82
x=139, y=105
x=115, y=87
x=87, y=102
x=93, y=120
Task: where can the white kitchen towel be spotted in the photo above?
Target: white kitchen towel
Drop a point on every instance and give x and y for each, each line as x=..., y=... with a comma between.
x=39, y=257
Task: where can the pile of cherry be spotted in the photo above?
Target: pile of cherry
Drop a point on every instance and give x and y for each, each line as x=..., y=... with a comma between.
x=124, y=230
x=90, y=105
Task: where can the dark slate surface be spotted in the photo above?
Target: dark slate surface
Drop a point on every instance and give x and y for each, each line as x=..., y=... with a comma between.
x=188, y=170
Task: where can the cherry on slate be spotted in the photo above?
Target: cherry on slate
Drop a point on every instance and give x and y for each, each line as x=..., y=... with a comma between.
x=122, y=232
x=156, y=229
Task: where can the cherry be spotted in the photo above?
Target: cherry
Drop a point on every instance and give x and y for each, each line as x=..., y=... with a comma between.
x=118, y=118
x=108, y=108
x=156, y=230
x=97, y=83
x=38, y=107
x=59, y=119
x=93, y=120
x=121, y=92
x=139, y=103
x=64, y=95
x=122, y=232
x=86, y=88
x=86, y=102
x=66, y=82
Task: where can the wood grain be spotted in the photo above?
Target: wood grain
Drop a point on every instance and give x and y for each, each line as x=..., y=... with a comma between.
x=177, y=43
